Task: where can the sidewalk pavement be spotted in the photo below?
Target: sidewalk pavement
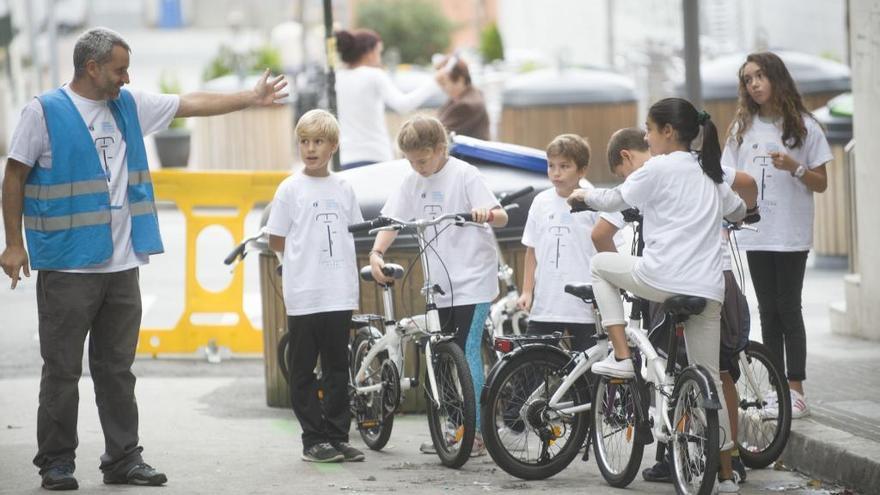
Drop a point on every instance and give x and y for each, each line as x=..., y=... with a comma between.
x=840, y=441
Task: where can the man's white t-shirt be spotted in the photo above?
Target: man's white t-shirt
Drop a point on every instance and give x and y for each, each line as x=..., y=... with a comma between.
x=363, y=93
x=468, y=252
x=30, y=145
x=786, y=204
x=682, y=210
x=563, y=250
x=319, y=267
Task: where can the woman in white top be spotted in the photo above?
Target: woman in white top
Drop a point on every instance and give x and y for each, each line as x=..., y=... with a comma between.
x=363, y=90
x=683, y=197
x=776, y=140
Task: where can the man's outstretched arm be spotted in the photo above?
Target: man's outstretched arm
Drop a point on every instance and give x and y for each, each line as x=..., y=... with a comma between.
x=268, y=91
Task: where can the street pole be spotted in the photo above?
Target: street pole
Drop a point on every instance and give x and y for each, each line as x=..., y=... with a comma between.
x=52, y=27
x=330, y=45
x=692, y=52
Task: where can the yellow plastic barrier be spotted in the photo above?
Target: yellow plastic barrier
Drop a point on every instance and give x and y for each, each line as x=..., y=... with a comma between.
x=240, y=190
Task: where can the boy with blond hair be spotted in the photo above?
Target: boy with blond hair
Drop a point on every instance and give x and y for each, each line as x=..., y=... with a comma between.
x=308, y=224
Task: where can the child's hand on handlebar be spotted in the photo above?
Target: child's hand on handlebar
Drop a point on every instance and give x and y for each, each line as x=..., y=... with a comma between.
x=577, y=196
x=524, y=302
x=376, y=265
x=482, y=215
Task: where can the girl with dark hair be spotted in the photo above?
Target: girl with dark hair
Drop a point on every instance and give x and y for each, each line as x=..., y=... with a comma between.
x=682, y=196
x=363, y=90
x=777, y=140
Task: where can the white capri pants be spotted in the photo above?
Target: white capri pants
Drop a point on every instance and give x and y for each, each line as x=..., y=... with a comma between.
x=702, y=336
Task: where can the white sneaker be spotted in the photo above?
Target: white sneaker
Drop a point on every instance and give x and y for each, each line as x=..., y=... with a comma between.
x=610, y=366
x=479, y=448
x=726, y=486
x=799, y=408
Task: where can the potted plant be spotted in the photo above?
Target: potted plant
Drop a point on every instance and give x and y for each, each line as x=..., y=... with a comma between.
x=172, y=144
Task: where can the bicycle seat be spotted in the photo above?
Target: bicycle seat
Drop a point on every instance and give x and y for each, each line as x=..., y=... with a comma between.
x=391, y=270
x=583, y=291
x=684, y=305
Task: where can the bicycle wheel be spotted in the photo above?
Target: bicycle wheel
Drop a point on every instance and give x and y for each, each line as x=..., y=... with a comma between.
x=617, y=442
x=695, y=437
x=371, y=410
x=524, y=436
x=452, y=422
x=763, y=428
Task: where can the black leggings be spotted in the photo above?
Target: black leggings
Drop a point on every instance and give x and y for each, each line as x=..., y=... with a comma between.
x=778, y=278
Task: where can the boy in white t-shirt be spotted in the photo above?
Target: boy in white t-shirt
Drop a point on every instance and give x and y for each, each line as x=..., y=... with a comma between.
x=307, y=224
x=558, y=247
x=441, y=184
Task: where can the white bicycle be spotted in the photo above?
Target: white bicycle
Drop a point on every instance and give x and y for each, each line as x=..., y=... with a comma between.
x=377, y=359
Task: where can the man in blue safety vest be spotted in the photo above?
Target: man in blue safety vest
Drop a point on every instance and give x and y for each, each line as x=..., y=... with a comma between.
x=77, y=178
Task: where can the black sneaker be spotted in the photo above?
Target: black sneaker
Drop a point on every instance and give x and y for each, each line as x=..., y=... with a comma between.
x=140, y=474
x=349, y=453
x=658, y=473
x=739, y=469
x=322, y=452
x=59, y=477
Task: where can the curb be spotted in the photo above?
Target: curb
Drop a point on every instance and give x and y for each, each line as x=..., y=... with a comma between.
x=833, y=455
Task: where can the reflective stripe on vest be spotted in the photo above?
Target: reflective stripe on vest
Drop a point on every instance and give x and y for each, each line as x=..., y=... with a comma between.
x=142, y=208
x=46, y=192
x=66, y=222
x=136, y=177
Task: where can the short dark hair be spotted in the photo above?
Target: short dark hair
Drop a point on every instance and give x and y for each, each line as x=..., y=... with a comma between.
x=629, y=138
x=459, y=69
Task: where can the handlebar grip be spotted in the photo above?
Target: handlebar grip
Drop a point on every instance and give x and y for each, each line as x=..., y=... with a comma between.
x=753, y=218
x=513, y=196
x=234, y=254
x=631, y=215
x=579, y=206
x=368, y=225
x=465, y=217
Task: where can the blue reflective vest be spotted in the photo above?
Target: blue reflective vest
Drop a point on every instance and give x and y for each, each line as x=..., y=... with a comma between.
x=67, y=206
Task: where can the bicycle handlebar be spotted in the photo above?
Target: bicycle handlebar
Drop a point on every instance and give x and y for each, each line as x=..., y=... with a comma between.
x=239, y=250
x=380, y=222
x=509, y=198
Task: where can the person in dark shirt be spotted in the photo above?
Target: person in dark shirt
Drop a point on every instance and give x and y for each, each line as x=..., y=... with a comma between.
x=465, y=111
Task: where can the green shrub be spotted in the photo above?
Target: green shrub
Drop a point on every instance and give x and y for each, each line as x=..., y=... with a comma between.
x=170, y=85
x=417, y=29
x=491, y=45
x=253, y=62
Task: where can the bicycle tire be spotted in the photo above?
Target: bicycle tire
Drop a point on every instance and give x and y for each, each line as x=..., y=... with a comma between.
x=283, y=356
x=452, y=422
x=373, y=423
x=761, y=437
x=704, y=456
x=507, y=396
x=616, y=435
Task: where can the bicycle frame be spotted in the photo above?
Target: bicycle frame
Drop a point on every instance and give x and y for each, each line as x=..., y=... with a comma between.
x=410, y=328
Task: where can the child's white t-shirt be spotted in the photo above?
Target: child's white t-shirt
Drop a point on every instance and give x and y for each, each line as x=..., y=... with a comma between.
x=468, y=252
x=319, y=267
x=682, y=210
x=786, y=204
x=31, y=145
x=563, y=249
